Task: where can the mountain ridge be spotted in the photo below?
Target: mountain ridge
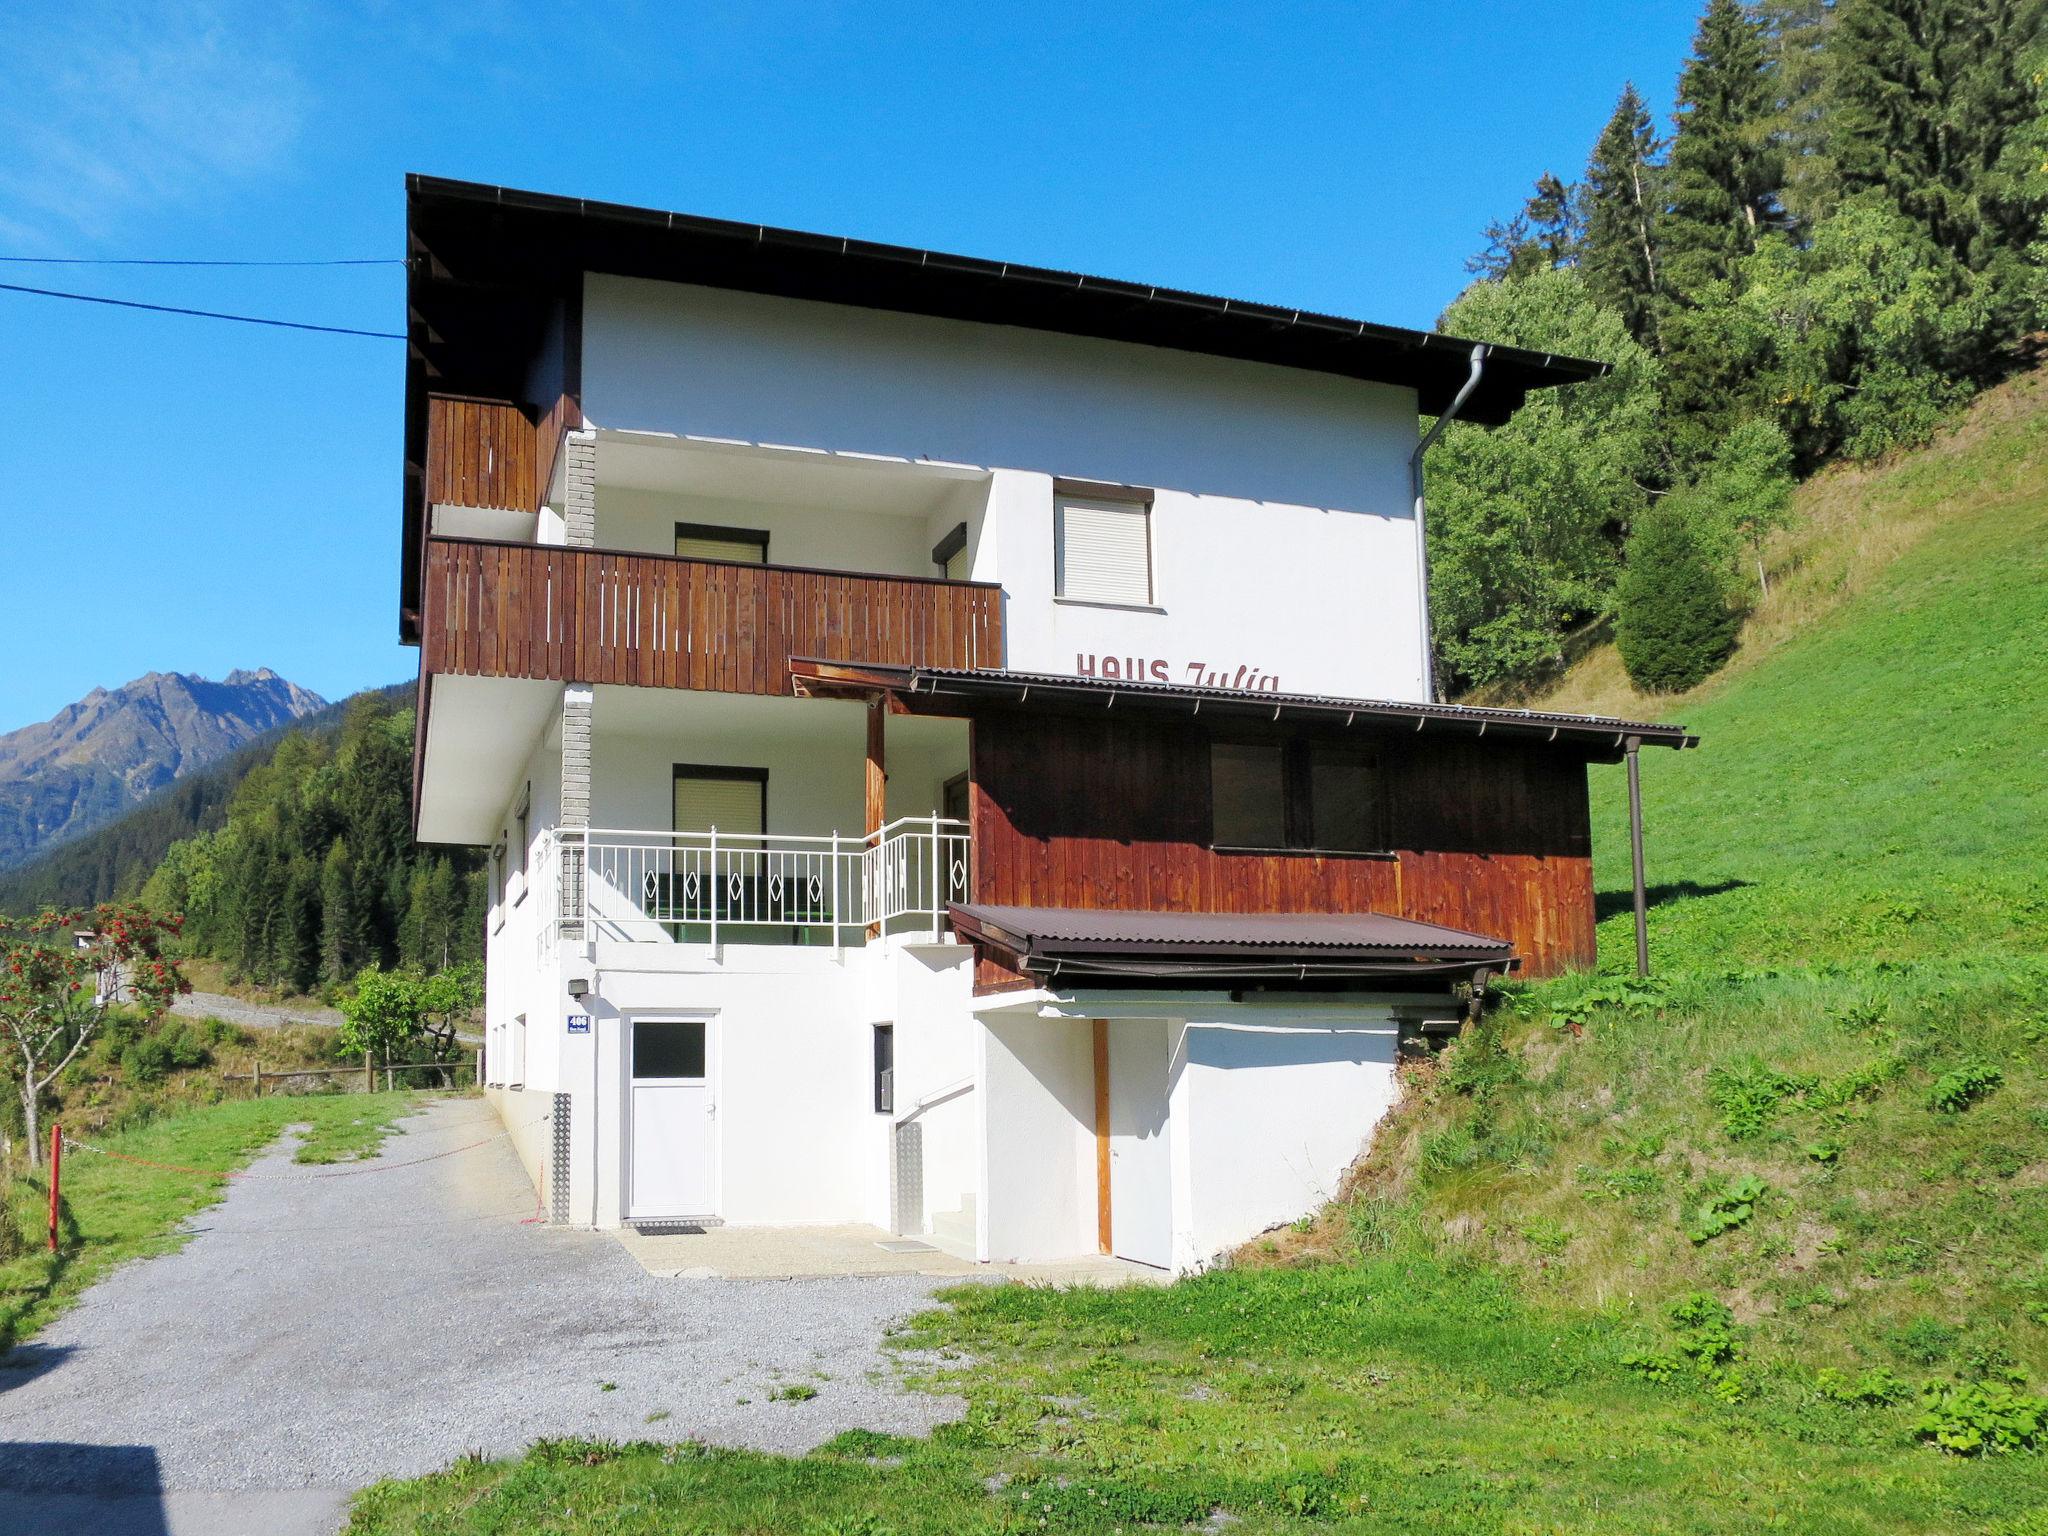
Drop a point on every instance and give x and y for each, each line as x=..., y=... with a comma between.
x=115, y=747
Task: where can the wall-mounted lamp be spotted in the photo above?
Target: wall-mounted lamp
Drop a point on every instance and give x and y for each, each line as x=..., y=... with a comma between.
x=579, y=987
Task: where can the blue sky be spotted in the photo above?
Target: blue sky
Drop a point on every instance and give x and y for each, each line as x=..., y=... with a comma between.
x=186, y=495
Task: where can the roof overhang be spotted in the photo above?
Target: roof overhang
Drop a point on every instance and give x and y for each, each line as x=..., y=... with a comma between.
x=1596, y=738
x=1065, y=944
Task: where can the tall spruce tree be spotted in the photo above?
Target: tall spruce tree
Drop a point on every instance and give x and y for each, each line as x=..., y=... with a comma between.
x=1544, y=236
x=1796, y=34
x=1935, y=106
x=1726, y=167
x=1621, y=205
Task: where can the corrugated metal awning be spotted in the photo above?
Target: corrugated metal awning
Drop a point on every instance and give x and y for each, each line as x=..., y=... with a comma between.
x=1052, y=941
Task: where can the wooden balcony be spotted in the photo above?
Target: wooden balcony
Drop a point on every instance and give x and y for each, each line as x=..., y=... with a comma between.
x=599, y=616
x=482, y=453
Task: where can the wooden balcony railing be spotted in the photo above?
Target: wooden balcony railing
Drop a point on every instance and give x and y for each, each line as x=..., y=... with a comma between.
x=598, y=616
x=481, y=453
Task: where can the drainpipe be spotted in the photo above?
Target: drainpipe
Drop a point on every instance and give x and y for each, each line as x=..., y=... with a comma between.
x=1421, y=540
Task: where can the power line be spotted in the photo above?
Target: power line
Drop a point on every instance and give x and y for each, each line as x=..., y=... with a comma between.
x=203, y=314
x=156, y=261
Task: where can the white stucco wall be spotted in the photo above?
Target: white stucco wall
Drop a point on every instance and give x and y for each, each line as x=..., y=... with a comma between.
x=1282, y=530
x=1037, y=1125
x=833, y=537
x=1268, y=1115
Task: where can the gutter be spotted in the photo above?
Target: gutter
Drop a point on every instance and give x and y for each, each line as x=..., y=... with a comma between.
x=1449, y=415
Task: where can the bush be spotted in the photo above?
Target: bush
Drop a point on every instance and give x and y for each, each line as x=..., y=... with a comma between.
x=173, y=1046
x=1672, y=623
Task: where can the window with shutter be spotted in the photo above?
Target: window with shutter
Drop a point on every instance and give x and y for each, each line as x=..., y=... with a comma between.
x=1102, y=550
x=733, y=800
x=703, y=541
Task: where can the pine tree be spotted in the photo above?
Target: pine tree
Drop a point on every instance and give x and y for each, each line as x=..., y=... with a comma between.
x=340, y=933
x=1934, y=105
x=1797, y=34
x=1622, y=202
x=1543, y=236
x=1726, y=169
x=1672, y=623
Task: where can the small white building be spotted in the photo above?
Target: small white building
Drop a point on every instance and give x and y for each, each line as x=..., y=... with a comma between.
x=954, y=740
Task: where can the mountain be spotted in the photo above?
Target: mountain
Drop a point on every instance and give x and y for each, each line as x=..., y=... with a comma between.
x=113, y=860
x=116, y=747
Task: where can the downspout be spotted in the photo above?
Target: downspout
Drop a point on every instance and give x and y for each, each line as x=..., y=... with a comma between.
x=1421, y=533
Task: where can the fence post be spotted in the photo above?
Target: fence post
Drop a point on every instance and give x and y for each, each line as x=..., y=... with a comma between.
x=369, y=1073
x=256, y=1071
x=56, y=1170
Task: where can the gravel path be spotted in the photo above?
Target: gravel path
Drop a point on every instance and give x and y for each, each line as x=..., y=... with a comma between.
x=250, y=1015
x=321, y=1333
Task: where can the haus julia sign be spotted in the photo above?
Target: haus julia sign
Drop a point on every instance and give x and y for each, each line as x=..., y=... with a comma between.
x=1192, y=674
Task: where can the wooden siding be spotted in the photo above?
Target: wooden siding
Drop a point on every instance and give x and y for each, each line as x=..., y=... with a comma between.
x=1102, y=812
x=481, y=453
x=595, y=616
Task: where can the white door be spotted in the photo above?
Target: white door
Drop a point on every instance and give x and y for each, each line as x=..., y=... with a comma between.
x=1140, y=1171
x=673, y=1121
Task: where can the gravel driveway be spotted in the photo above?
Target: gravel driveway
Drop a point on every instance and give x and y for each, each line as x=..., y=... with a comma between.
x=320, y=1333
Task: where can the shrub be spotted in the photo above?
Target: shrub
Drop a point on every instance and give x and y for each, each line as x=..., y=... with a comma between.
x=1672, y=623
x=1982, y=1417
x=1956, y=1090
x=172, y=1047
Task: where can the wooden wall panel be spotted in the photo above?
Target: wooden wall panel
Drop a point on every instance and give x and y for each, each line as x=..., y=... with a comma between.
x=1108, y=811
x=481, y=453
x=594, y=616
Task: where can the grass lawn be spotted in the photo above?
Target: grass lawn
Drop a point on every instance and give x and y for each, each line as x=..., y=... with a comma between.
x=114, y=1211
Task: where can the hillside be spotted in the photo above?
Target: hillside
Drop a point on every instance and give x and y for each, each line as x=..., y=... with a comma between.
x=115, y=858
x=1873, y=776
x=115, y=748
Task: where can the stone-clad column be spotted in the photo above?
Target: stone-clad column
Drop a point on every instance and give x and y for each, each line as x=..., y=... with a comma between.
x=577, y=700
x=579, y=489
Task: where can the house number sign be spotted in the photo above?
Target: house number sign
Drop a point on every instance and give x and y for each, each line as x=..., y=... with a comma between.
x=1194, y=674
x=579, y=1023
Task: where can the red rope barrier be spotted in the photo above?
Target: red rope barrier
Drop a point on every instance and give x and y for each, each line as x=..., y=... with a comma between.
x=241, y=1173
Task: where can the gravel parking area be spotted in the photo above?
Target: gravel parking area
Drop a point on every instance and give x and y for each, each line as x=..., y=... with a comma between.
x=320, y=1333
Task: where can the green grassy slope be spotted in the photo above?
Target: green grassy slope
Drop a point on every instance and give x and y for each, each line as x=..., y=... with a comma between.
x=1723, y=1253
x=1879, y=787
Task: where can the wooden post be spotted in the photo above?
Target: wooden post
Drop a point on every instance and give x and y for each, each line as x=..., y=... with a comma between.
x=1635, y=848
x=1105, y=1238
x=56, y=1171
x=256, y=1076
x=877, y=806
x=369, y=1073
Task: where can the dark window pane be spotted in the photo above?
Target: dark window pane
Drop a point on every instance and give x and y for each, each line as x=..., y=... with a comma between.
x=885, y=1068
x=1343, y=801
x=668, y=1048
x=1247, y=795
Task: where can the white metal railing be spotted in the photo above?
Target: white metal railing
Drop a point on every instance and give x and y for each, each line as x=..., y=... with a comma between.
x=750, y=888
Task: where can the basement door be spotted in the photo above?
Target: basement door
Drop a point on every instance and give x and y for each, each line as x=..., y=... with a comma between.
x=1140, y=1168
x=672, y=1116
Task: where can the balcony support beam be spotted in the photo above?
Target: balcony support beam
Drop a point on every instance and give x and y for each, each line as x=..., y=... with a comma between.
x=877, y=783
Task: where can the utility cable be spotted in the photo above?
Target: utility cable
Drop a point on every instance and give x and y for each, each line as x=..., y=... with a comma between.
x=203, y=314
x=167, y=261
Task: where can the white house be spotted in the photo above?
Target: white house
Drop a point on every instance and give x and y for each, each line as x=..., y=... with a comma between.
x=955, y=741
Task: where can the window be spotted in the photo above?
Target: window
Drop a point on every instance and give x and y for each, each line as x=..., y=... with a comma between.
x=1345, y=804
x=950, y=554
x=729, y=799
x=668, y=1048
x=1247, y=795
x=1296, y=794
x=707, y=541
x=954, y=798
x=885, y=1069
x=524, y=819
x=1102, y=550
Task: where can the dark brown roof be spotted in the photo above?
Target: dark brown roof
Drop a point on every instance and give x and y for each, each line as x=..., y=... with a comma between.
x=484, y=234
x=1055, y=941
x=1597, y=737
